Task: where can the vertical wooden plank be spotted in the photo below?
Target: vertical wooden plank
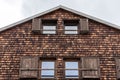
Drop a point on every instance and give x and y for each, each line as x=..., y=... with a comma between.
x=118, y=67
x=36, y=25
x=28, y=67
x=84, y=27
x=25, y=64
x=34, y=65
x=90, y=66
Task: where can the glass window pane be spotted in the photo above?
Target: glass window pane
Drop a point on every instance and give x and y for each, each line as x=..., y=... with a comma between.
x=71, y=27
x=71, y=32
x=71, y=73
x=48, y=65
x=47, y=73
x=49, y=27
x=49, y=32
x=71, y=65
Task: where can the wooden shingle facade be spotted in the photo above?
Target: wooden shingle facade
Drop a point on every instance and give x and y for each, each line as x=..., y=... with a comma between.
x=60, y=44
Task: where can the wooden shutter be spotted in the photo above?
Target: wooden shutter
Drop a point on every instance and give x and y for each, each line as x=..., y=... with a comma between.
x=29, y=67
x=90, y=67
x=36, y=25
x=118, y=67
x=84, y=26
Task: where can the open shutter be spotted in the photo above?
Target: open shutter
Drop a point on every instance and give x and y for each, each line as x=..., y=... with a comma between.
x=84, y=26
x=29, y=67
x=90, y=67
x=118, y=67
x=36, y=24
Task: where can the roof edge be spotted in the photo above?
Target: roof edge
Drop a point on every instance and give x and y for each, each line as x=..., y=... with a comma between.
x=65, y=8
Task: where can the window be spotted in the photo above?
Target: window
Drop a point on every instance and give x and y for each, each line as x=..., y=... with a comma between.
x=71, y=69
x=49, y=26
x=86, y=68
x=77, y=68
x=49, y=29
x=71, y=29
x=47, y=69
x=71, y=26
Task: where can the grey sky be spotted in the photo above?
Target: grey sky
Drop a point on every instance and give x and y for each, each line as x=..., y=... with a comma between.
x=15, y=10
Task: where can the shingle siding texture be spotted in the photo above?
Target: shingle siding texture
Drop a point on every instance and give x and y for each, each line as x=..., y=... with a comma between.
x=102, y=41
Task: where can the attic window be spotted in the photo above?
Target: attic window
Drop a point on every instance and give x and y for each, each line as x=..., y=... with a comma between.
x=71, y=26
x=49, y=26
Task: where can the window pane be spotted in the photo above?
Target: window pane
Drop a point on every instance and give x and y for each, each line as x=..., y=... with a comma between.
x=47, y=73
x=71, y=65
x=48, y=65
x=70, y=27
x=49, y=27
x=71, y=73
x=71, y=32
x=49, y=32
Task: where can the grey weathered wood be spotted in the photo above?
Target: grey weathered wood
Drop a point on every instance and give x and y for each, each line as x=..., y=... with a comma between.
x=118, y=67
x=84, y=28
x=90, y=67
x=36, y=25
x=29, y=67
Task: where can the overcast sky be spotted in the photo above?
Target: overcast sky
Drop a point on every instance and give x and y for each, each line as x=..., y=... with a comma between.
x=14, y=10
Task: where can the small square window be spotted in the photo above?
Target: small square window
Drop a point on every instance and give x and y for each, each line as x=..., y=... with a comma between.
x=47, y=69
x=49, y=26
x=71, y=69
x=71, y=26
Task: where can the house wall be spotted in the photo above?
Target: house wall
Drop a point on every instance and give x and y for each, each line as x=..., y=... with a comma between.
x=102, y=41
